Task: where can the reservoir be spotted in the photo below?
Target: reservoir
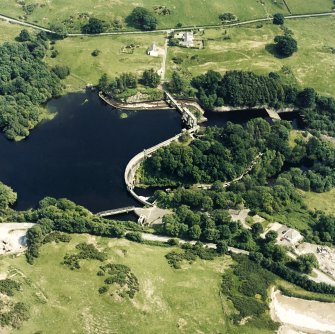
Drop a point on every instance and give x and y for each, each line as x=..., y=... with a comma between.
x=82, y=153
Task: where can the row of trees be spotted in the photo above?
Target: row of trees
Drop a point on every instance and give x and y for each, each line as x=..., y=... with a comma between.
x=125, y=81
x=139, y=18
x=64, y=216
x=239, y=88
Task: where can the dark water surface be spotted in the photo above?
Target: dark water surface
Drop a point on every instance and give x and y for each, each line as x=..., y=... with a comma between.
x=82, y=153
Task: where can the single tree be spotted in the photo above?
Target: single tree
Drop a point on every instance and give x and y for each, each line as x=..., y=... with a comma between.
x=142, y=19
x=24, y=36
x=150, y=78
x=94, y=26
x=62, y=71
x=221, y=247
x=285, y=45
x=278, y=19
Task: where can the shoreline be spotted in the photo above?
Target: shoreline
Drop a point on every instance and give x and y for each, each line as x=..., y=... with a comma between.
x=297, y=315
x=153, y=105
x=227, y=108
x=135, y=106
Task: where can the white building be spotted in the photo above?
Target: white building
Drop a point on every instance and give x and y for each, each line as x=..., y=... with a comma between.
x=188, y=38
x=153, y=50
x=292, y=236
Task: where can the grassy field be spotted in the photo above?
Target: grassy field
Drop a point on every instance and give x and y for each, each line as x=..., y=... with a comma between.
x=187, y=12
x=313, y=65
x=187, y=300
x=76, y=53
x=65, y=301
x=295, y=135
x=323, y=201
x=9, y=31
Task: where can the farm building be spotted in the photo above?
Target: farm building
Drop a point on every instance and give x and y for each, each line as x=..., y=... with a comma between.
x=186, y=38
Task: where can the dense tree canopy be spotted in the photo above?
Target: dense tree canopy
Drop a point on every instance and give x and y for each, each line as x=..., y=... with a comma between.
x=239, y=88
x=222, y=154
x=25, y=84
x=65, y=216
x=7, y=196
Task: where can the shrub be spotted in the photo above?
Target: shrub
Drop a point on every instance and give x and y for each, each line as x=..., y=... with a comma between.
x=134, y=236
x=95, y=52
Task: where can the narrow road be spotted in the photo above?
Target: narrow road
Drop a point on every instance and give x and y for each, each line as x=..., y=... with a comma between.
x=161, y=238
x=30, y=25
x=320, y=276
x=241, y=23
x=165, y=56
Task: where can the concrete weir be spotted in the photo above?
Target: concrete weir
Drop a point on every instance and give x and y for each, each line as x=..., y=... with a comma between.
x=192, y=126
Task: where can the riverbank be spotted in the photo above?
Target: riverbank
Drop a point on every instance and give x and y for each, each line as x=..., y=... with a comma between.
x=145, y=105
x=192, y=104
x=227, y=108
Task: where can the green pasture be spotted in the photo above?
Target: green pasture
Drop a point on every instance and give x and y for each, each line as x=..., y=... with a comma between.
x=9, y=31
x=76, y=53
x=247, y=48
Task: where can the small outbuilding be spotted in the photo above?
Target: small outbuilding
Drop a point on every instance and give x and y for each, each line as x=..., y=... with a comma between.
x=292, y=236
x=153, y=50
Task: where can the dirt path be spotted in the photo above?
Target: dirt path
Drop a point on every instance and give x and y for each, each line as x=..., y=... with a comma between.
x=302, y=316
x=319, y=276
x=154, y=237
